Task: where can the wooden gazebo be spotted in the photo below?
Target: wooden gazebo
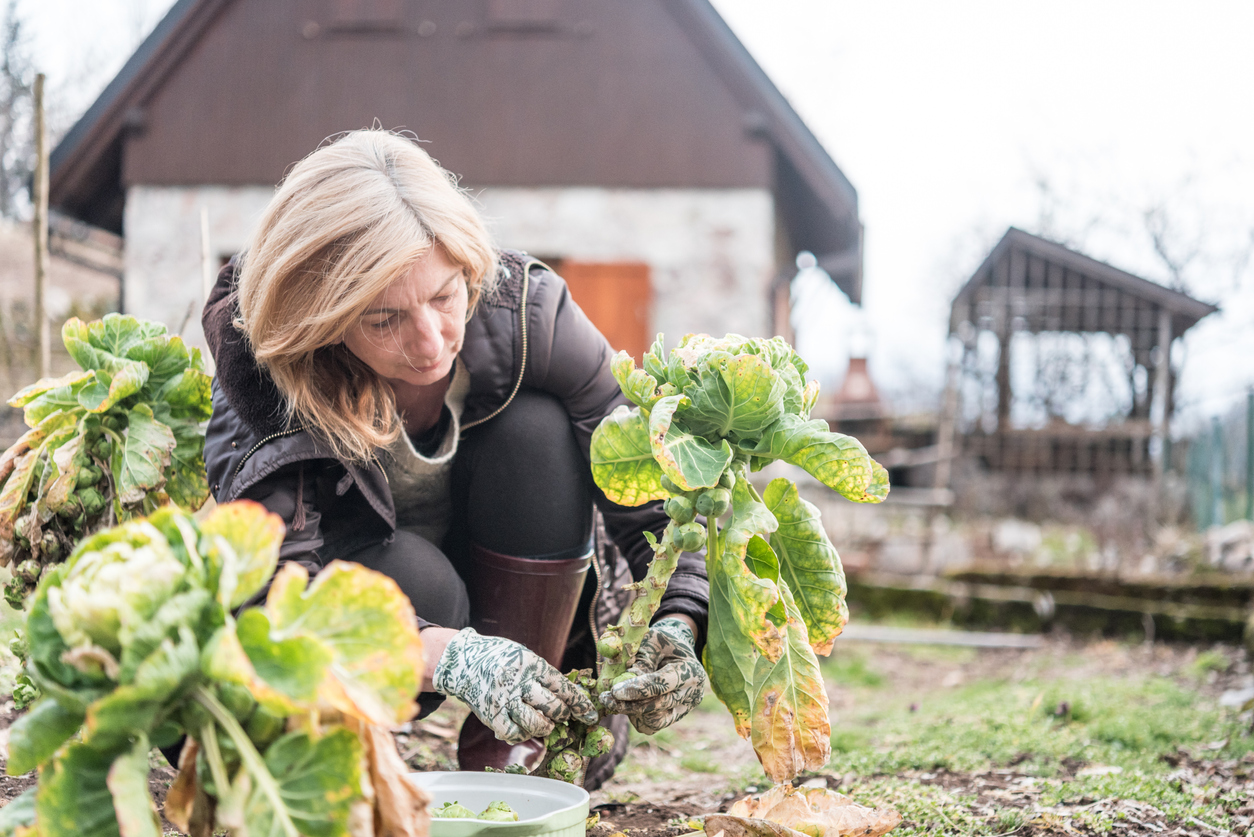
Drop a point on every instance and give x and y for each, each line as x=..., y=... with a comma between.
x=1031, y=286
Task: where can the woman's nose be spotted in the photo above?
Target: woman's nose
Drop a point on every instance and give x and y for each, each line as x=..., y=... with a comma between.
x=425, y=341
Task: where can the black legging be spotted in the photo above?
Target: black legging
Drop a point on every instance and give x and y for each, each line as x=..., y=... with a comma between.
x=520, y=486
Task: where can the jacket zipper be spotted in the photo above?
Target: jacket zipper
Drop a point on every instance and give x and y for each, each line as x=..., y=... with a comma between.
x=254, y=448
x=596, y=595
x=522, y=368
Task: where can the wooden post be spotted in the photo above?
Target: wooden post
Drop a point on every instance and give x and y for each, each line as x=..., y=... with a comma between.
x=1249, y=455
x=40, y=199
x=1160, y=409
x=1216, y=473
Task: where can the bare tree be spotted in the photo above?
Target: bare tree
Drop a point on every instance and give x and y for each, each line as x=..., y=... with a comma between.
x=16, y=141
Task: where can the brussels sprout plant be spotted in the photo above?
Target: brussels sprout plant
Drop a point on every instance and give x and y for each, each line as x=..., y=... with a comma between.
x=284, y=709
x=705, y=417
x=115, y=440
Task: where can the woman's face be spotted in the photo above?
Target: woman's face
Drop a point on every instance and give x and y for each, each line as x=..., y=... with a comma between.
x=412, y=331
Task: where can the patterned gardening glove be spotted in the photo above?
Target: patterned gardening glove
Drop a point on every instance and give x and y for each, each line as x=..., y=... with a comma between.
x=514, y=691
x=669, y=679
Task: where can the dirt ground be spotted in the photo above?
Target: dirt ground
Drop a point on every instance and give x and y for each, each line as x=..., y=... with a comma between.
x=699, y=766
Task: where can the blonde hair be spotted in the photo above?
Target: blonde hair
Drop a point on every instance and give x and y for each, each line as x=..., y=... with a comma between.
x=346, y=222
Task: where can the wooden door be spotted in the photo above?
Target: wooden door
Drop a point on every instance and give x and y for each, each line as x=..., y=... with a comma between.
x=617, y=297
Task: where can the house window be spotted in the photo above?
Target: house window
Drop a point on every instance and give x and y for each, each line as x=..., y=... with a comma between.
x=617, y=297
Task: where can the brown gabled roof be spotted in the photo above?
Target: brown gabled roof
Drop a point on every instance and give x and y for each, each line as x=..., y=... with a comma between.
x=817, y=202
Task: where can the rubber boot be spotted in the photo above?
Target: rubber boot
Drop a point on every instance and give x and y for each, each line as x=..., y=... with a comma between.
x=532, y=602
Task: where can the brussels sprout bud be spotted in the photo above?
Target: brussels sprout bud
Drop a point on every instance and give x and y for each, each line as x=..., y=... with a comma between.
x=263, y=727
x=498, y=812
x=49, y=548
x=690, y=537
x=670, y=485
x=238, y=699
x=19, y=646
x=15, y=593
x=714, y=503
x=102, y=448
x=679, y=509
x=25, y=692
x=727, y=480
x=28, y=570
x=555, y=738
x=622, y=678
x=599, y=742
x=111, y=422
x=610, y=646
x=566, y=767
x=93, y=501
x=88, y=475
x=454, y=811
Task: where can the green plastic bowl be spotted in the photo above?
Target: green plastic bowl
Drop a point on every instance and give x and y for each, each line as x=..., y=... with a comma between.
x=544, y=806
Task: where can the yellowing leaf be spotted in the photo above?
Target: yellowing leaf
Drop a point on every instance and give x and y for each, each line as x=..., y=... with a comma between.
x=690, y=461
x=809, y=563
x=838, y=461
x=243, y=537
x=791, y=730
x=622, y=461
x=817, y=812
x=370, y=629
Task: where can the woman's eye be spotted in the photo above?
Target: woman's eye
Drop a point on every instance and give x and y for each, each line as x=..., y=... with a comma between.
x=382, y=324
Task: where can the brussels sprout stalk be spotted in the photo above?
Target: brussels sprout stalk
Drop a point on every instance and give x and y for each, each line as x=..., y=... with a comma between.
x=620, y=642
x=248, y=754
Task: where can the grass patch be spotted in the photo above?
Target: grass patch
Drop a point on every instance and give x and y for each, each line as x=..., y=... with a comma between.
x=1044, y=729
x=848, y=666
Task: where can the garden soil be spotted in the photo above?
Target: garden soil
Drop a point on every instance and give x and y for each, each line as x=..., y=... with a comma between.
x=702, y=767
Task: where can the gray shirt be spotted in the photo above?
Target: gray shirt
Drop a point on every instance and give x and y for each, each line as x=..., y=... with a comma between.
x=421, y=484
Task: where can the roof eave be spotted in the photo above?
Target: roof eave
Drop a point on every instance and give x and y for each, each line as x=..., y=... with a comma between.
x=784, y=126
x=72, y=162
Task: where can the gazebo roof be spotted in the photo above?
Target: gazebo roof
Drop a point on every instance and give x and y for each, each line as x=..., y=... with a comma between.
x=1045, y=286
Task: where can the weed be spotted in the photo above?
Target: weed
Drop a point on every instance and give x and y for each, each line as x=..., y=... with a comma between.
x=1208, y=661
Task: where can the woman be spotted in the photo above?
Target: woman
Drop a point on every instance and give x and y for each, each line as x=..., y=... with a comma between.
x=408, y=398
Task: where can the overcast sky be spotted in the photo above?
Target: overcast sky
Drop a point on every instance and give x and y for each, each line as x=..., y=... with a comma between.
x=954, y=120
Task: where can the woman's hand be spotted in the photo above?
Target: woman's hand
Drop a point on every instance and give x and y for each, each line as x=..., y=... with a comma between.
x=514, y=691
x=669, y=679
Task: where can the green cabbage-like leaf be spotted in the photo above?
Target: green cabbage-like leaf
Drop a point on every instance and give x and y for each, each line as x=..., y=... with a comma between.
x=189, y=395
x=738, y=395
x=144, y=457
x=638, y=385
x=282, y=675
x=73, y=799
x=318, y=782
x=808, y=563
x=137, y=706
x=127, y=781
x=35, y=736
x=689, y=461
x=838, y=461
x=19, y=813
x=622, y=459
x=49, y=395
x=739, y=630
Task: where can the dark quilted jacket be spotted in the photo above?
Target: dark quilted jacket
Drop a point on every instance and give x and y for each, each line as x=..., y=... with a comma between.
x=528, y=333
